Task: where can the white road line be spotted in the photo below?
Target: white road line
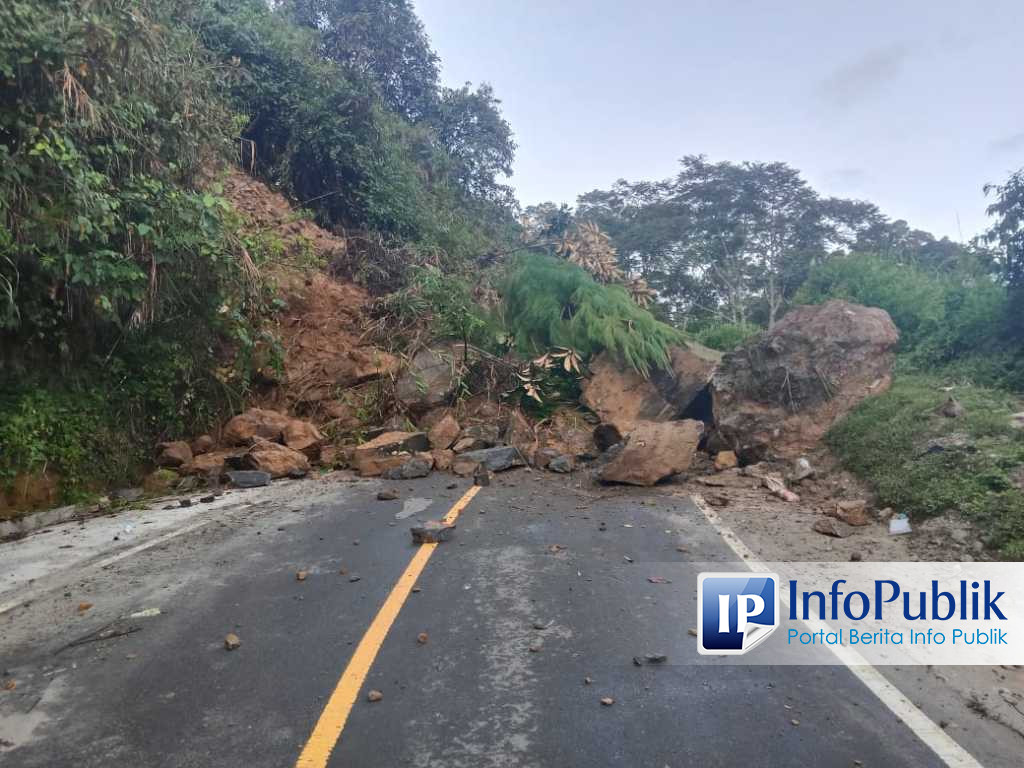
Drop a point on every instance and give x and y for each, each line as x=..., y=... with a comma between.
x=940, y=742
x=107, y=561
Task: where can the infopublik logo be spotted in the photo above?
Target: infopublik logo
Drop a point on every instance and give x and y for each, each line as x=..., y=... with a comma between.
x=738, y=611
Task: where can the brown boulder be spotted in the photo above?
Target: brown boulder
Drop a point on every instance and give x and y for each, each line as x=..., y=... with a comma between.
x=255, y=422
x=302, y=436
x=654, y=451
x=173, y=454
x=444, y=432
x=202, y=444
x=208, y=464
x=517, y=431
x=725, y=460
x=780, y=393
x=622, y=397
x=443, y=458
x=275, y=459
x=387, y=451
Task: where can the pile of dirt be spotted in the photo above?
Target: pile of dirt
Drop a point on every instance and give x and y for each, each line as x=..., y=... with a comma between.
x=323, y=325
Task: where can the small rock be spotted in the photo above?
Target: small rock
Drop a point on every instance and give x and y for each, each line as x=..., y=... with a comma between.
x=374, y=695
x=627, y=558
x=885, y=514
x=656, y=658
x=802, y=470
x=539, y=625
x=185, y=503
x=535, y=647
x=794, y=722
x=422, y=638
x=207, y=499
x=692, y=632
x=726, y=460
x=354, y=578
x=481, y=476
x=300, y=576
x=855, y=557
x=717, y=499
x=830, y=527
x=587, y=681
x=231, y=641
x=607, y=701
x=10, y=685
x=388, y=495
x=83, y=607
x=561, y=464
x=249, y=478
x=432, y=531
x=452, y=486
x=658, y=580
x=952, y=409
x=851, y=512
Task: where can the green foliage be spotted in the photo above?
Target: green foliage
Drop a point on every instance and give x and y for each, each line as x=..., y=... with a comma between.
x=946, y=318
x=447, y=301
x=887, y=440
x=550, y=302
x=725, y=337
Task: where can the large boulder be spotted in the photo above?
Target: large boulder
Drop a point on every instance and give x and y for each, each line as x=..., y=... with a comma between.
x=622, y=397
x=275, y=459
x=255, y=422
x=303, y=436
x=444, y=432
x=654, y=451
x=780, y=393
x=495, y=459
x=429, y=378
x=173, y=454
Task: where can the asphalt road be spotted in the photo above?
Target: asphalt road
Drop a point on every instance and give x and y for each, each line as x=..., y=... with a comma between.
x=486, y=689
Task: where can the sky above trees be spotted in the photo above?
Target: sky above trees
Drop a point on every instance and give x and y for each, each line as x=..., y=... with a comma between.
x=911, y=105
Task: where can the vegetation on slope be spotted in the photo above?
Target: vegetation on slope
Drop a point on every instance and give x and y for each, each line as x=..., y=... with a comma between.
x=923, y=463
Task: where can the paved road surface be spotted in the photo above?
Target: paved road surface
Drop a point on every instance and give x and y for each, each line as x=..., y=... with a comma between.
x=169, y=695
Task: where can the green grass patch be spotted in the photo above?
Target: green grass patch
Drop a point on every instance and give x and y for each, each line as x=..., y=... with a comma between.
x=891, y=442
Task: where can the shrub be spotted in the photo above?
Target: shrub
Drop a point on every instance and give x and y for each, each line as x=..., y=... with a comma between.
x=550, y=302
x=726, y=337
x=886, y=441
x=947, y=320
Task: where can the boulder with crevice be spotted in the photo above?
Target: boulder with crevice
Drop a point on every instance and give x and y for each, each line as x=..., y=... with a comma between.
x=653, y=451
x=622, y=398
x=173, y=454
x=777, y=395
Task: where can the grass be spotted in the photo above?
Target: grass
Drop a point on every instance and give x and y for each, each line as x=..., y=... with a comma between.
x=886, y=441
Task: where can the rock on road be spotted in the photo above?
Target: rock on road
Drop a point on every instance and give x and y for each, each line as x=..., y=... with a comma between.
x=526, y=602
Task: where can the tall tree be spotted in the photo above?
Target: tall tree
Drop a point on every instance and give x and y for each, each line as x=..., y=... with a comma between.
x=1008, y=233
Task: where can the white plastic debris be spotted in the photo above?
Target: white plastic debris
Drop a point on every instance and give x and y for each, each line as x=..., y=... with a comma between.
x=899, y=524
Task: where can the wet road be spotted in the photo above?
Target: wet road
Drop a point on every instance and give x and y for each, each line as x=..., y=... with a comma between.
x=543, y=586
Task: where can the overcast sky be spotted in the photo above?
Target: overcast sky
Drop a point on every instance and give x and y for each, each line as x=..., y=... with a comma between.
x=912, y=104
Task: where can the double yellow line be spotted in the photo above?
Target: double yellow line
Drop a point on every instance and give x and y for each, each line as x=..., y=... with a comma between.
x=332, y=720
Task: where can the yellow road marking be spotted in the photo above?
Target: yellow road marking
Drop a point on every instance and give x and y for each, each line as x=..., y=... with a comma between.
x=328, y=728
